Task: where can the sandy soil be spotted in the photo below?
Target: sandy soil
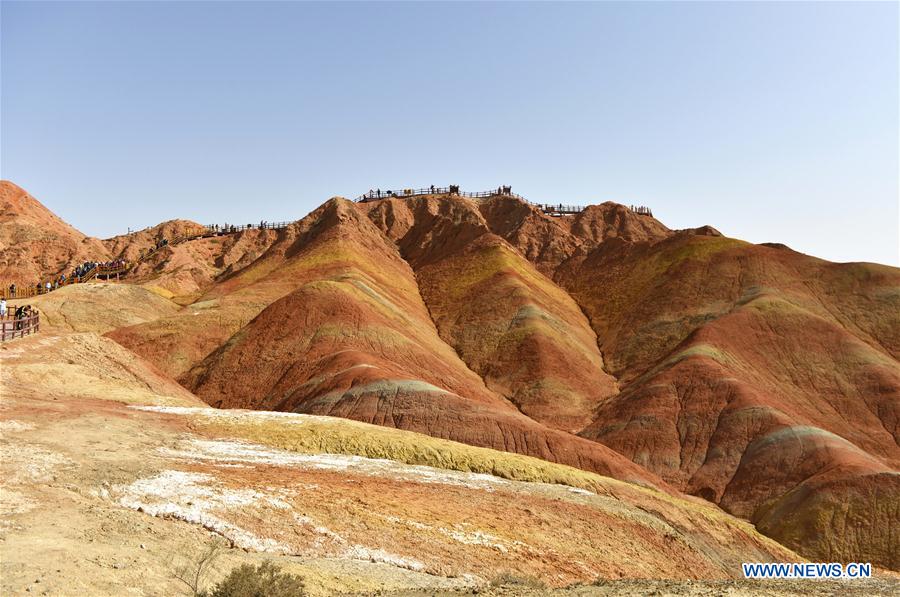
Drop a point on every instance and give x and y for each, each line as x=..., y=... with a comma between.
x=99, y=498
x=64, y=530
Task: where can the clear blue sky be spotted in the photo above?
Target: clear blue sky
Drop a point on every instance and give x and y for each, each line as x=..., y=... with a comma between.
x=770, y=121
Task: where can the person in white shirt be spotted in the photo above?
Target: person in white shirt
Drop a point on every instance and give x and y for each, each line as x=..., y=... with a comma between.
x=2, y=308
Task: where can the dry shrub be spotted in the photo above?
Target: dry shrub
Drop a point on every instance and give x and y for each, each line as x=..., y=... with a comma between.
x=265, y=580
x=194, y=570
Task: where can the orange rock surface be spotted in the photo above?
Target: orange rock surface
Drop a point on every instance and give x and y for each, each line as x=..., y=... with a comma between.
x=752, y=376
x=35, y=244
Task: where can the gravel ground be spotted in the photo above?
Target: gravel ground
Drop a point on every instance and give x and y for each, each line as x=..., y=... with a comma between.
x=884, y=585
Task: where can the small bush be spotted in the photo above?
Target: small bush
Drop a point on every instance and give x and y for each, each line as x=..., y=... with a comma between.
x=265, y=580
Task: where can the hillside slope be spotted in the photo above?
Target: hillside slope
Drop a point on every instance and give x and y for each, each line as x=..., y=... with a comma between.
x=752, y=376
x=512, y=325
x=35, y=244
x=356, y=340
x=100, y=308
x=115, y=494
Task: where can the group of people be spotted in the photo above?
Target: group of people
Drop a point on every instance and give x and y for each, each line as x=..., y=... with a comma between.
x=86, y=267
x=452, y=190
x=77, y=274
x=641, y=210
x=81, y=270
x=224, y=228
x=160, y=243
x=378, y=194
x=20, y=314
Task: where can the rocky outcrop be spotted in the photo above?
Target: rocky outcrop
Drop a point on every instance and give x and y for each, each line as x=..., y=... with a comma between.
x=755, y=378
x=510, y=323
x=35, y=244
x=356, y=340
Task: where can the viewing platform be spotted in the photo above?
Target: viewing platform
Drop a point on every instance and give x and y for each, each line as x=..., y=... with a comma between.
x=12, y=327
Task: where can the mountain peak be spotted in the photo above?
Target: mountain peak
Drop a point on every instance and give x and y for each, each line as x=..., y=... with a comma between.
x=35, y=242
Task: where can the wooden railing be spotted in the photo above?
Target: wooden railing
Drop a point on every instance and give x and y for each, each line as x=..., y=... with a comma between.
x=108, y=271
x=500, y=192
x=547, y=208
x=559, y=209
x=7, y=292
x=10, y=327
x=407, y=193
x=219, y=230
x=98, y=271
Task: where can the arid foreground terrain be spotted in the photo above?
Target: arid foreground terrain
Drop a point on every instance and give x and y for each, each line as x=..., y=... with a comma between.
x=441, y=394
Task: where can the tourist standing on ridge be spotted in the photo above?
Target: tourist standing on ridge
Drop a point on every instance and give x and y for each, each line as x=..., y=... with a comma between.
x=2, y=308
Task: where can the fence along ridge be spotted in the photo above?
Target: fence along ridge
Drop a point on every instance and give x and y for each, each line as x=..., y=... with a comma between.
x=211, y=230
x=100, y=270
x=547, y=208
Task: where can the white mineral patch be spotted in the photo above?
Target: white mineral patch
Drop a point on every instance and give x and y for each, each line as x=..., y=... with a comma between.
x=200, y=499
x=459, y=534
x=580, y=491
x=359, y=552
x=218, y=451
x=236, y=415
x=15, y=426
x=197, y=498
x=24, y=463
x=236, y=453
x=318, y=528
x=476, y=538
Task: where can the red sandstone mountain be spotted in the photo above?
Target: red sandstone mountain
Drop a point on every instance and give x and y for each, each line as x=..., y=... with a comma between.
x=353, y=338
x=511, y=324
x=752, y=376
x=758, y=378
x=130, y=246
x=35, y=244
